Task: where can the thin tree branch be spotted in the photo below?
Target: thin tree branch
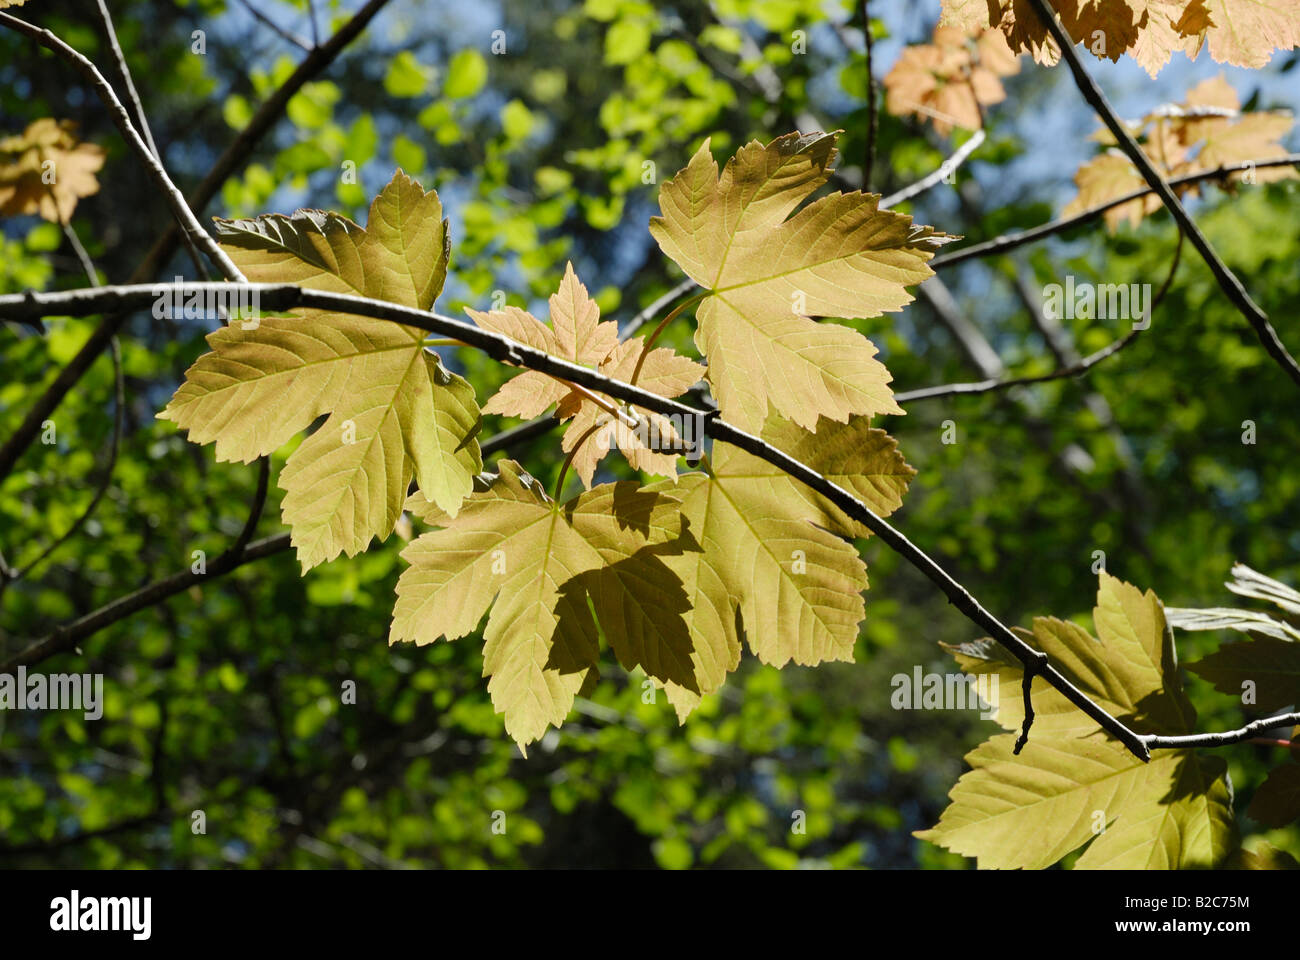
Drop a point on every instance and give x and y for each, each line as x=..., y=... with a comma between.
x=1006, y=242
x=315, y=27
x=1228, y=282
x=266, y=116
x=83, y=258
x=869, y=150
x=280, y=31
x=61, y=843
x=259, y=504
x=974, y=345
x=944, y=170
x=1223, y=739
x=175, y=199
x=1079, y=366
x=69, y=635
x=141, y=118
x=1026, y=693
x=287, y=296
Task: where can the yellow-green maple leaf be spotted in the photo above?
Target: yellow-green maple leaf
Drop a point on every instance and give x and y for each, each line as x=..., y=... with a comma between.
x=1070, y=781
x=769, y=570
x=394, y=410
x=766, y=276
x=515, y=550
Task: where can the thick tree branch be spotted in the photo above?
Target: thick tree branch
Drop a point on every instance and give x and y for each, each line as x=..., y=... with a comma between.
x=279, y=297
x=1227, y=280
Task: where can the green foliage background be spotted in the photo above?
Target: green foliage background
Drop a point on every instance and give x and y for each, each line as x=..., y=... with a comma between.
x=225, y=699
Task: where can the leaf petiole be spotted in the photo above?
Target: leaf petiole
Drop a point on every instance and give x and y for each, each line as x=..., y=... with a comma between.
x=654, y=334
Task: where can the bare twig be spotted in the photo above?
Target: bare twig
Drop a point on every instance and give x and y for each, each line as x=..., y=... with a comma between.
x=79, y=250
x=259, y=504
x=1228, y=282
x=1026, y=692
x=653, y=309
x=945, y=169
x=1074, y=369
x=280, y=31
x=1010, y=241
x=1223, y=739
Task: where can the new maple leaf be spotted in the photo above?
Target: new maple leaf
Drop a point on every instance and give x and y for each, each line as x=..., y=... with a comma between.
x=515, y=550
x=1070, y=784
x=394, y=410
x=766, y=276
x=578, y=334
x=1205, y=132
x=46, y=170
x=773, y=568
x=1241, y=32
x=949, y=79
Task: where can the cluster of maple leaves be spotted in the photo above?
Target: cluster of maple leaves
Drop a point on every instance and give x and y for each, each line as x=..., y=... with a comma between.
x=675, y=575
x=1205, y=132
x=1240, y=32
x=951, y=79
x=677, y=572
